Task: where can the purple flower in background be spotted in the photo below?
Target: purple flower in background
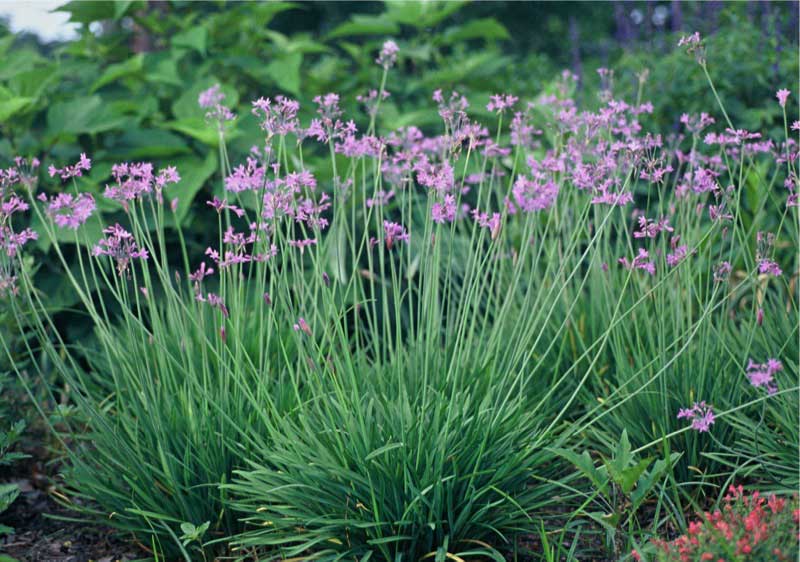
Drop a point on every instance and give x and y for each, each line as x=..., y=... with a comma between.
x=68, y=211
x=641, y=261
x=651, y=228
x=84, y=164
x=722, y=271
x=501, y=102
x=388, y=55
x=782, y=95
x=700, y=414
x=762, y=374
x=380, y=198
x=278, y=117
x=302, y=326
x=677, y=256
x=212, y=99
x=134, y=180
x=484, y=220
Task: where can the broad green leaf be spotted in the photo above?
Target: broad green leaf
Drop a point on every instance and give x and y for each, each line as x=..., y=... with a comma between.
x=197, y=128
x=33, y=82
x=365, y=25
x=8, y=493
x=82, y=115
x=11, y=104
x=195, y=38
x=136, y=144
x=421, y=14
x=17, y=61
x=88, y=12
x=163, y=70
x=585, y=465
x=116, y=71
x=487, y=29
x=186, y=106
x=194, y=174
x=285, y=71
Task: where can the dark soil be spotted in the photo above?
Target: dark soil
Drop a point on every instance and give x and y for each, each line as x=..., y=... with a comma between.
x=38, y=537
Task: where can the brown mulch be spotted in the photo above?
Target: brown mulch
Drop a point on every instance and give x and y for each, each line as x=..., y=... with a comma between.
x=37, y=537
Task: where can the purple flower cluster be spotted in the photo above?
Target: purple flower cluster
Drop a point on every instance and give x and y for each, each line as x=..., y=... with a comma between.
x=700, y=414
x=84, y=164
x=211, y=99
x=134, y=180
x=120, y=245
x=68, y=211
x=388, y=55
x=763, y=374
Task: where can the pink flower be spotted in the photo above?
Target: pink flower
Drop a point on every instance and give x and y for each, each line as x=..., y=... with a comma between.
x=394, y=231
x=84, y=164
x=302, y=326
x=782, y=95
x=71, y=212
x=762, y=374
x=769, y=267
x=446, y=211
x=212, y=99
x=501, y=102
x=388, y=54
x=700, y=414
x=641, y=261
x=119, y=245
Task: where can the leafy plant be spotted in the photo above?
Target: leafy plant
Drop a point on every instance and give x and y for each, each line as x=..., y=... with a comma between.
x=621, y=484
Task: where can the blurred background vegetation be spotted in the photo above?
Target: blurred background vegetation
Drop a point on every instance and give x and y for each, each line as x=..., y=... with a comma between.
x=125, y=89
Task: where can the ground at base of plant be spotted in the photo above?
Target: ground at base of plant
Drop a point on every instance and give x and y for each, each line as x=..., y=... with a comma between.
x=39, y=537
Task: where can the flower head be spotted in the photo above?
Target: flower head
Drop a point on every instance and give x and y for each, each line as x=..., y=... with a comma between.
x=71, y=212
x=388, y=55
x=762, y=374
x=782, y=95
x=394, y=232
x=119, y=245
x=83, y=164
x=700, y=414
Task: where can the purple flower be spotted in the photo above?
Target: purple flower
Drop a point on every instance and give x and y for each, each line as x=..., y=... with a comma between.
x=212, y=99
x=380, y=198
x=220, y=205
x=278, y=118
x=388, y=55
x=769, y=267
x=303, y=244
x=501, y=102
x=71, y=212
x=119, y=245
x=534, y=195
x=782, y=95
x=762, y=374
x=700, y=414
x=84, y=164
x=302, y=326
x=485, y=221
x=445, y=211
x=134, y=180
x=677, y=256
x=394, y=231
x=641, y=261
x=722, y=271
x=651, y=228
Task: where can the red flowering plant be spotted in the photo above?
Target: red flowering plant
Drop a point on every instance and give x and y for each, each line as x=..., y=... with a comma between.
x=748, y=527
